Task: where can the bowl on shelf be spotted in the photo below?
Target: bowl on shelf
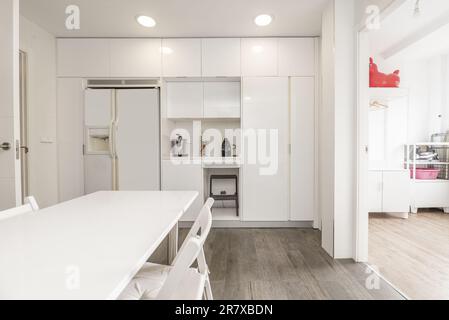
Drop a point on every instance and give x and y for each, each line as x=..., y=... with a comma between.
x=425, y=173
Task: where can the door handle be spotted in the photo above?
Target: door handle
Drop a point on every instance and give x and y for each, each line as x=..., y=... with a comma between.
x=5, y=146
x=26, y=149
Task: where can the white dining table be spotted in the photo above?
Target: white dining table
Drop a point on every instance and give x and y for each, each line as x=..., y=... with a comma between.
x=88, y=248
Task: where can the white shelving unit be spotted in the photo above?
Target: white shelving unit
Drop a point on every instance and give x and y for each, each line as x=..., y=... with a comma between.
x=429, y=193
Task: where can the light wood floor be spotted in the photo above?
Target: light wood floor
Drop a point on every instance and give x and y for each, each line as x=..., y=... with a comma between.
x=412, y=254
x=273, y=264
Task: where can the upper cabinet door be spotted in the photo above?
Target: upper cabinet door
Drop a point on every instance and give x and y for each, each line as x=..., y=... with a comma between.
x=221, y=57
x=222, y=99
x=136, y=58
x=181, y=57
x=297, y=57
x=260, y=57
x=83, y=58
x=185, y=100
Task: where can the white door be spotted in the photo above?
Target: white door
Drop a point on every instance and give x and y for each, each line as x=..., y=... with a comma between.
x=137, y=139
x=265, y=172
x=302, y=163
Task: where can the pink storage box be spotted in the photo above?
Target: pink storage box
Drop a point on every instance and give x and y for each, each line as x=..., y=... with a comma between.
x=425, y=174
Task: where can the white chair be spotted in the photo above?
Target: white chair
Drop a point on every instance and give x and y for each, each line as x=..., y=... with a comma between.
x=202, y=225
x=29, y=206
x=32, y=202
x=178, y=281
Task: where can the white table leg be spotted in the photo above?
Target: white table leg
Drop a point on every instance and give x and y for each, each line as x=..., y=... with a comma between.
x=173, y=244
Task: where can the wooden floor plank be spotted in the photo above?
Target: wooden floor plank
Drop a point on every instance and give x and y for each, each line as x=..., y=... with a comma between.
x=273, y=264
x=412, y=254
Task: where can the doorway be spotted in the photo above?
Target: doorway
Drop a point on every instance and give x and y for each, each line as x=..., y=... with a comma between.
x=403, y=132
x=24, y=150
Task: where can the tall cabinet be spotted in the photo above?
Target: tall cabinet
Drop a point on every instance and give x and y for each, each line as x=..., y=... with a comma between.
x=302, y=140
x=265, y=129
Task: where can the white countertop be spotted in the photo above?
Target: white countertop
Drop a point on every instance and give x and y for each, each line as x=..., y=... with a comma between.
x=87, y=248
x=209, y=162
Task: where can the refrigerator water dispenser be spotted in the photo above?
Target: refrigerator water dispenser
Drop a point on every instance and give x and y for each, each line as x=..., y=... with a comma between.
x=97, y=141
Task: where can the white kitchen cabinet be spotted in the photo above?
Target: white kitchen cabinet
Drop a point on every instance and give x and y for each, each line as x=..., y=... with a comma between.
x=181, y=57
x=390, y=191
x=97, y=111
x=221, y=57
x=297, y=57
x=375, y=191
x=70, y=96
x=302, y=137
x=136, y=58
x=396, y=191
x=260, y=57
x=185, y=100
x=83, y=58
x=265, y=171
x=430, y=194
x=177, y=176
x=222, y=99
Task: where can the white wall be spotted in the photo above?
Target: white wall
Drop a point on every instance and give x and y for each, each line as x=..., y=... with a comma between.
x=40, y=47
x=337, y=192
x=10, y=193
x=345, y=128
x=428, y=87
x=326, y=132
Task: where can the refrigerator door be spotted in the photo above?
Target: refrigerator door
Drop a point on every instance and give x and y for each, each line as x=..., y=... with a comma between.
x=98, y=173
x=98, y=107
x=98, y=159
x=137, y=139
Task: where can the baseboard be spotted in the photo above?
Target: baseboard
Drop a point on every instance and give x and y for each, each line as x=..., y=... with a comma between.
x=254, y=225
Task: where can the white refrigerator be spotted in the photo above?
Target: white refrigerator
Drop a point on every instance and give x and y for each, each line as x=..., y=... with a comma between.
x=122, y=139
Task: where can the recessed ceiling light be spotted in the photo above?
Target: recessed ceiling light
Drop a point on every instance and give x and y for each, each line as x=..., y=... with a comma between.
x=263, y=20
x=146, y=21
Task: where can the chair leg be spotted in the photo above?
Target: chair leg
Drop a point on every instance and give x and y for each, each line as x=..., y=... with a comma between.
x=208, y=295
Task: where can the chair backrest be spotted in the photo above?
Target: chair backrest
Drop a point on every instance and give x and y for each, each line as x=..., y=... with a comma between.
x=29, y=206
x=201, y=227
x=32, y=202
x=173, y=286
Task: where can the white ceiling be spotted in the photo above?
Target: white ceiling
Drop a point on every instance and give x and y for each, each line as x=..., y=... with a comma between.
x=401, y=31
x=178, y=18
